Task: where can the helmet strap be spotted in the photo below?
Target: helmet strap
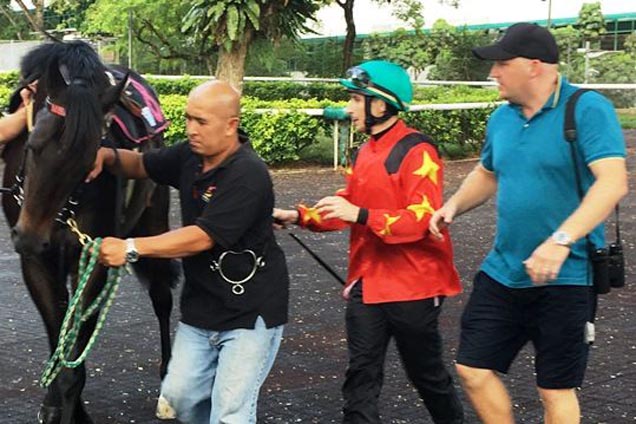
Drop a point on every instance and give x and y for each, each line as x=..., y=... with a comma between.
x=370, y=120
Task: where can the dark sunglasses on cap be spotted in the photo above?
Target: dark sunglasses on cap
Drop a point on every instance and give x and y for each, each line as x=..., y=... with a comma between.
x=361, y=79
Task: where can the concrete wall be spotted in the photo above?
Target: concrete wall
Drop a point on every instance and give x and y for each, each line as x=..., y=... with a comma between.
x=11, y=53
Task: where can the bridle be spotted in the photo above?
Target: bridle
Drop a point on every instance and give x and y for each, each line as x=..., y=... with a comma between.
x=66, y=216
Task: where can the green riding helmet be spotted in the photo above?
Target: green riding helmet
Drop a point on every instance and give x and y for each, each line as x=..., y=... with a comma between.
x=381, y=79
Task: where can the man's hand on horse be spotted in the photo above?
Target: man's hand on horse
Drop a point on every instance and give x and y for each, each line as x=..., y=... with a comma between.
x=28, y=92
x=98, y=166
x=112, y=252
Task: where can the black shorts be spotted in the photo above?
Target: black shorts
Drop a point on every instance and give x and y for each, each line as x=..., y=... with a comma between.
x=498, y=321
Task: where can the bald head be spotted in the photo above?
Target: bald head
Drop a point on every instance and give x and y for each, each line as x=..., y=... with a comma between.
x=218, y=97
x=212, y=119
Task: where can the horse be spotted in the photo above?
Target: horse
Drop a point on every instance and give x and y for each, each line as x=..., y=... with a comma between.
x=73, y=107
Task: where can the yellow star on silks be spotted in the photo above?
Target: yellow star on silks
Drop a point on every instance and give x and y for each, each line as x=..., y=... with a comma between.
x=348, y=170
x=428, y=169
x=311, y=214
x=420, y=209
x=390, y=220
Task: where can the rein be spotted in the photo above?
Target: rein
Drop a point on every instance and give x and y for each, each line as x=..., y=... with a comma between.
x=77, y=315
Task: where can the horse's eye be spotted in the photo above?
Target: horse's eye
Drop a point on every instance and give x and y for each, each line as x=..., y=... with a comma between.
x=46, y=129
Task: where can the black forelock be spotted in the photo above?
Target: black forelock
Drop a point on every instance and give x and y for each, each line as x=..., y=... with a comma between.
x=82, y=62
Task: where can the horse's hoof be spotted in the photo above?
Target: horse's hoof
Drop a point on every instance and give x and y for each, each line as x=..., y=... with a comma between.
x=49, y=414
x=84, y=418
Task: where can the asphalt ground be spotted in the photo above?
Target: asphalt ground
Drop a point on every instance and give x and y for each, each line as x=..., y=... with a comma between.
x=304, y=386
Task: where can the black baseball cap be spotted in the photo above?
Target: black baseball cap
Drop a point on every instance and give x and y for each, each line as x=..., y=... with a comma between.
x=522, y=40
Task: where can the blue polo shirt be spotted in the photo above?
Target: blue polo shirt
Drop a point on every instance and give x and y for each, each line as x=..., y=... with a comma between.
x=536, y=181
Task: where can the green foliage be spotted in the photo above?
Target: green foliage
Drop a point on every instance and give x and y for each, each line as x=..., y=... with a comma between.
x=406, y=49
x=9, y=79
x=280, y=137
x=452, y=49
x=294, y=90
x=173, y=106
x=159, y=45
x=591, y=22
x=225, y=21
x=13, y=23
x=459, y=133
x=454, y=94
x=72, y=13
x=618, y=68
x=627, y=118
x=445, y=47
x=568, y=39
x=5, y=95
x=181, y=86
x=409, y=11
x=630, y=44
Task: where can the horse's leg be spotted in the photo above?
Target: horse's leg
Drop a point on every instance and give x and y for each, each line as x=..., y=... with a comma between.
x=155, y=270
x=51, y=299
x=159, y=275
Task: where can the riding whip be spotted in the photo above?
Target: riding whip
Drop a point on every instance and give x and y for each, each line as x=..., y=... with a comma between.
x=318, y=259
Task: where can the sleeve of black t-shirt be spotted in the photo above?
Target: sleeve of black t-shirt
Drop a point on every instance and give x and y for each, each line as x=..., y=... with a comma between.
x=238, y=202
x=164, y=165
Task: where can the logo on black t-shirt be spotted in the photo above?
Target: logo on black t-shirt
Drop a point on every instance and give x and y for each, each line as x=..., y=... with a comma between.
x=208, y=193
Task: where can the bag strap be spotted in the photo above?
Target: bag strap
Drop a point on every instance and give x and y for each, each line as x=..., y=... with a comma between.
x=569, y=130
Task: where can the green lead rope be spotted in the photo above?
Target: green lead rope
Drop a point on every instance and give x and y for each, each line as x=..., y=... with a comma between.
x=75, y=315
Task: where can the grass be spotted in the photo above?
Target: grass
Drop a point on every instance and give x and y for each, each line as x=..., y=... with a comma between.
x=627, y=118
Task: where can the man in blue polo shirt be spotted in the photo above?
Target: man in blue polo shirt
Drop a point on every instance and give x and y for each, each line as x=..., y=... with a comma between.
x=534, y=285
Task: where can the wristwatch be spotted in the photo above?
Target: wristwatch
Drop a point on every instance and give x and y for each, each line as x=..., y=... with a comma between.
x=132, y=255
x=562, y=238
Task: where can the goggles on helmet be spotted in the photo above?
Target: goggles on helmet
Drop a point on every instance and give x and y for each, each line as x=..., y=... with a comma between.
x=361, y=79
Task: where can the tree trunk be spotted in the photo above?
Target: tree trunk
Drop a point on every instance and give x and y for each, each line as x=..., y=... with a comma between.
x=347, y=51
x=25, y=10
x=231, y=64
x=11, y=21
x=39, y=13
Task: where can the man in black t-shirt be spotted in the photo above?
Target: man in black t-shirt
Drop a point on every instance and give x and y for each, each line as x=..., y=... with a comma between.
x=235, y=297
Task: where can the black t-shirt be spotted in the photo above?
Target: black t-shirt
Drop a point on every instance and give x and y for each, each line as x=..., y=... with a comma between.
x=233, y=204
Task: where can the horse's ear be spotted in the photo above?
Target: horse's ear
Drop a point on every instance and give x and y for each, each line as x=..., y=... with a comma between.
x=113, y=94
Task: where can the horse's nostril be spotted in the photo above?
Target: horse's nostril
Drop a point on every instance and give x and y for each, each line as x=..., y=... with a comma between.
x=46, y=245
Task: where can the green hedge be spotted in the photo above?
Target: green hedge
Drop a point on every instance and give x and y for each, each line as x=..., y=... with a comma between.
x=281, y=137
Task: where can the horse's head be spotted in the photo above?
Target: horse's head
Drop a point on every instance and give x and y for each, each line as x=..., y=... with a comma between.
x=74, y=95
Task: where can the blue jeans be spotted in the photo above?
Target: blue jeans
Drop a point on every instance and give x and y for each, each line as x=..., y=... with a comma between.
x=215, y=376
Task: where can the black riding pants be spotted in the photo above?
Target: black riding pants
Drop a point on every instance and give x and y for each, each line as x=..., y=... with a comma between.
x=414, y=327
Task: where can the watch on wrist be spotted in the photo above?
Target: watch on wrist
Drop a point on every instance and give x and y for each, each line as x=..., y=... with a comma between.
x=562, y=238
x=132, y=255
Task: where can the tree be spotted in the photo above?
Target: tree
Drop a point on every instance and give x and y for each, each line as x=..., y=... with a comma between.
x=156, y=26
x=350, y=38
x=409, y=11
x=233, y=25
x=630, y=44
x=591, y=22
x=37, y=21
x=568, y=39
x=15, y=26
x=71, y=13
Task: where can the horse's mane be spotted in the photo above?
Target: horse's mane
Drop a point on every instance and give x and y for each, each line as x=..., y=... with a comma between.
x=72, y=74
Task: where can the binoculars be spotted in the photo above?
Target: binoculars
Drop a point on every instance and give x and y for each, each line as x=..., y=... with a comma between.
x=608, y=268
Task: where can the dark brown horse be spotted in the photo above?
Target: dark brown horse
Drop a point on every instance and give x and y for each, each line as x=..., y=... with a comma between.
x=73, y=105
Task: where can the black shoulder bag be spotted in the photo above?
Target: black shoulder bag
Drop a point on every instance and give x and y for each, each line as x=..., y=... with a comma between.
x=608, y=263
